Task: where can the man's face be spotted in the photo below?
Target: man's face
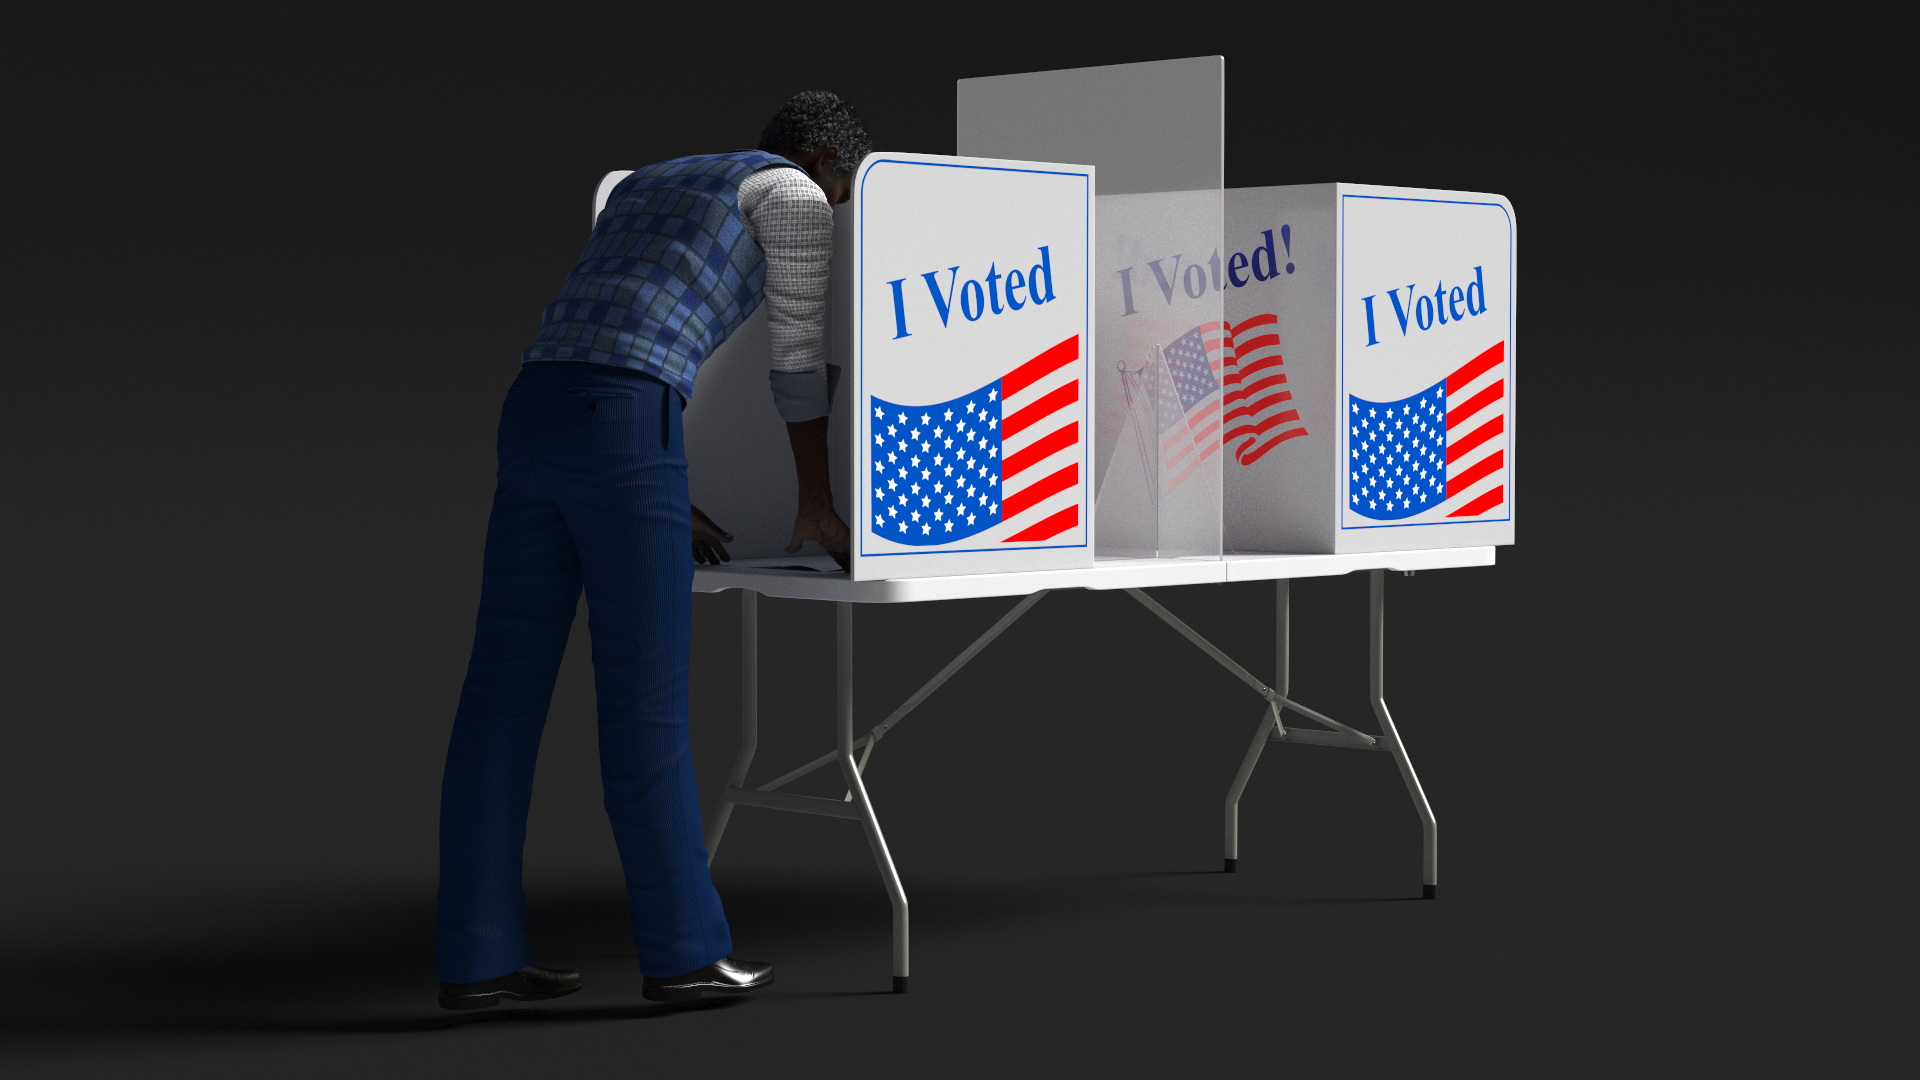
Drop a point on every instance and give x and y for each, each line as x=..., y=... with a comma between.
x=837, y=188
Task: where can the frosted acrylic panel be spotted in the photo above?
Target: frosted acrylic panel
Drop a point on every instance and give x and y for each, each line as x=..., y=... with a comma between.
x=1154, y=133
x=1156, y=126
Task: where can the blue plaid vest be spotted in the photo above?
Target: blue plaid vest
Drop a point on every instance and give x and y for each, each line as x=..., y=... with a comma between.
x=668, y=274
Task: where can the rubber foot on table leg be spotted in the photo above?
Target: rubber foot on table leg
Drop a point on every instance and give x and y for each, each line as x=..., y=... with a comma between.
x=1426, y=892
x=1233, y=866
x=899, y=984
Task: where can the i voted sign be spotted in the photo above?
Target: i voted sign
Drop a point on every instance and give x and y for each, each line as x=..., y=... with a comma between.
x=972, y=333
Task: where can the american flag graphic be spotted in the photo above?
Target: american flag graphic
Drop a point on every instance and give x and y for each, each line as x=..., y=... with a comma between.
x=1002, y=460
x=1190, y=434
x=1257, y=416
x=1444, y=447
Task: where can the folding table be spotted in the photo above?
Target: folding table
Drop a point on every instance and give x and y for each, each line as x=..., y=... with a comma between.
x=766, y=577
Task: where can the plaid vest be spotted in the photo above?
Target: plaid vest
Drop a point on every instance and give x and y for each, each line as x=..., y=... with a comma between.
x=668, y=274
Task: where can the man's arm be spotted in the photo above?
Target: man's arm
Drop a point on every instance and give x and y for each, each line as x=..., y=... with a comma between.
x=790, y=218
x=816, y=519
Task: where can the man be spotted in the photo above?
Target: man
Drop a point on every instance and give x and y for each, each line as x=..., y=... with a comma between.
x=592, y=493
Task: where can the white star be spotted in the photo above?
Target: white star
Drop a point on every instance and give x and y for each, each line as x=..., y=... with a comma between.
x=916, y=489
x=1356, y=410
x=994, y=509
x=916, y=515
x=903, y=472
x=992, y=422
x=947, y=415
x=993, y=451
x=891, y=430
x=879, y=440
x=969, y=519
x=927, y=500
x=1356, y=455
x=949, y=444
x=949, y=470
x=925, y=446
x=925, y=473
x=1423, y=496
x=925, y=529
x=879, y=467
x=1373, y=412
x=949, y=526
x=1356, y=432
x=1356, y=498
x=1372, y=505
x=991, y=394
x=903, y=446
x=878, y=520
x=1364, y=469
x=892, y=485
x=936, y=514
x=969, y=406
x=903, y=418
x=893, y=511
x=1404, y=504
x=891, y=458
x=916, y=461
x=879, y=413
x=879, y=494
x=1363, y=423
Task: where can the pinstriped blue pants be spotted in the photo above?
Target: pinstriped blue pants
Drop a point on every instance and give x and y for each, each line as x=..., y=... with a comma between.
x=592, y=493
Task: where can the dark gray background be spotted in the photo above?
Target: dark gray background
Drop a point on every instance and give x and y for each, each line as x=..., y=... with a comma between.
x=267, y=281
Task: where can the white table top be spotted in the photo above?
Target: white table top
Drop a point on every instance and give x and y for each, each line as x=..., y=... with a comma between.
x=825, y=582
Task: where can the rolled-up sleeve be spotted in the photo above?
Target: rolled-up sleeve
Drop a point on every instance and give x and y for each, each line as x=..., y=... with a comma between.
x=789, y=217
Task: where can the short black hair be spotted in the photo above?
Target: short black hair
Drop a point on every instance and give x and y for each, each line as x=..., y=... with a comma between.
x=812, y=119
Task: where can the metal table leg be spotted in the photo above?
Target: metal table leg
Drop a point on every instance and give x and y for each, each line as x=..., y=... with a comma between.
x=1377, y=694
x=857, y=788
x=749, y=714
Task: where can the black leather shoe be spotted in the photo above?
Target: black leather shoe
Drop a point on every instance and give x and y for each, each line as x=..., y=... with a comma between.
x=527, y=984
x=724, y=976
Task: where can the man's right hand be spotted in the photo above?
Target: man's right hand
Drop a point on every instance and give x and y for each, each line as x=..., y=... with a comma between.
x=824, y=528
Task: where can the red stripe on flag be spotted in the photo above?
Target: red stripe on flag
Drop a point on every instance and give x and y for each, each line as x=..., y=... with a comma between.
x=1477, y=436
x=1475, y=368
x=1257, y=320
x=1477, y=472
x=1051, y=443
x=1049, y=527
x=1012, y=505
x=1241, y=372
x=1255, y=408
x=1270, y=422
x=1482, y=504
x=1255, y=344
x=1028, y=415
x=1248, y=457
x=1040, y=366
x=1475, y=403
x=1263, y=384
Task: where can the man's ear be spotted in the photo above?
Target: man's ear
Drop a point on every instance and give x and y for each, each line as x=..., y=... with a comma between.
x=829, y=157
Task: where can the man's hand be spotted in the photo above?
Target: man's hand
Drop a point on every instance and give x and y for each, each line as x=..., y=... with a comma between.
x=708, y=549
x=823, y=528
x=816, y=519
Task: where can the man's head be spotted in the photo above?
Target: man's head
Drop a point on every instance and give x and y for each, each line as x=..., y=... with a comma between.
x=823, y=135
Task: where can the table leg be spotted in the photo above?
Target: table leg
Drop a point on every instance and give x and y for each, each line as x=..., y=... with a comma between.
x=843, y=695
x=1269, y=720
x=1377, y=693
x=749, y=714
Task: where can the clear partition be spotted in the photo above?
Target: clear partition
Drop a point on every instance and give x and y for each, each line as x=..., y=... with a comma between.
x=1161, y=353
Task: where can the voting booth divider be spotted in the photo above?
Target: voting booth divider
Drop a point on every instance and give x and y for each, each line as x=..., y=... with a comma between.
x=1070, y=358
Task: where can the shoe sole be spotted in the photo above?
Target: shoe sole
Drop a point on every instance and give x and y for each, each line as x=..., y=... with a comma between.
x=690, y=993
x=488, y=1001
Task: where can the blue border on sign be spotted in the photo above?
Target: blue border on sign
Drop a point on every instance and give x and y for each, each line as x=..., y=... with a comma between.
x=859, y=333
x=1511, y=315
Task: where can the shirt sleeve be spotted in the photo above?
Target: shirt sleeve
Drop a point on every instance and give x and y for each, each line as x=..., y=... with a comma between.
x=788, y=215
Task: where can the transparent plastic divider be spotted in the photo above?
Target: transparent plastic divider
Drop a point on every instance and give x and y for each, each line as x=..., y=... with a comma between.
x=1160, y=354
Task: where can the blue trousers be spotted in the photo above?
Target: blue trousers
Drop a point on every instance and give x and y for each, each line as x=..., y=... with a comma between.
x=592, y=493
